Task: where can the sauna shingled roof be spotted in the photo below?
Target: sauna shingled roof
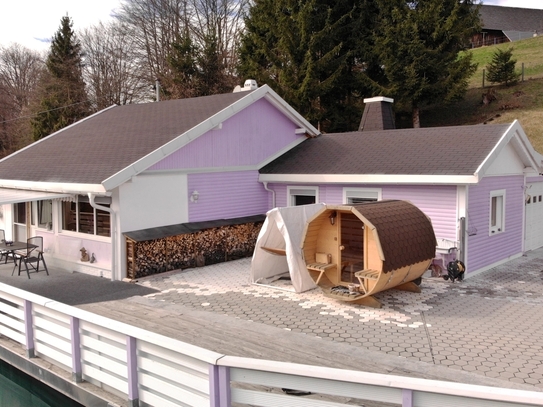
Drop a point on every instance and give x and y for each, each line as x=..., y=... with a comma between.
x=405, y=232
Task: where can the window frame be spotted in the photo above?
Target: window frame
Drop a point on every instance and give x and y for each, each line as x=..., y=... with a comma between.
x=37, y=211
x=366, y=194
x=496, y=212
x=76, y=207
x=294, y=190
x=17, y=213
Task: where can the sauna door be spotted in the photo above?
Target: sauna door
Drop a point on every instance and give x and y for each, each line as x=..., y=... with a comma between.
x=351, y=246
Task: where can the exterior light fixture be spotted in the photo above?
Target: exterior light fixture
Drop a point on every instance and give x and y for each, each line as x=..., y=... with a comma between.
x=194, y=196
x=332, y=217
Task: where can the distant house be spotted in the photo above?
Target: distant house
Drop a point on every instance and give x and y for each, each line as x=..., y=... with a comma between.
x=143, y=166
x=507, y=24
x=480, y=185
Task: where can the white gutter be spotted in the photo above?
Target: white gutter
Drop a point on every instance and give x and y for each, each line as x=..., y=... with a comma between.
x=113, y=230
x=371, y=179
x=270, y=190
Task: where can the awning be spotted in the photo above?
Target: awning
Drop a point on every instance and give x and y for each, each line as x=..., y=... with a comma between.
x=11, y=196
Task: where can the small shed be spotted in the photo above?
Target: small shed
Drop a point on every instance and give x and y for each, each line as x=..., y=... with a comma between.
x=355, y=251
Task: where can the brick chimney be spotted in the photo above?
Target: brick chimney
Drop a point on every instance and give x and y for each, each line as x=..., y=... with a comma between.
x=378, y=114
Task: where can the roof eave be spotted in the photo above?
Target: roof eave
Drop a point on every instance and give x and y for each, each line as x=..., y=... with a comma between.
x=59, y=187
x=183, y=139
x=520, y=142
x=371, y=179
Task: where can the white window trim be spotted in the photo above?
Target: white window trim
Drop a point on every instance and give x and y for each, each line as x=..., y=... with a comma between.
x=370, y=193
x=500, y=213
x=293, y=190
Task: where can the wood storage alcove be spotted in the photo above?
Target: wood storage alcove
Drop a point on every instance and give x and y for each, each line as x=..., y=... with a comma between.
x=355, y=251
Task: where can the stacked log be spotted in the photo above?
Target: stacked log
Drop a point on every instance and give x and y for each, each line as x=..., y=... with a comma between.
x=209, y=246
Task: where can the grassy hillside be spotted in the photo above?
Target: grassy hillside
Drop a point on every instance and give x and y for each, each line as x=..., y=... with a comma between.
x=522, y=102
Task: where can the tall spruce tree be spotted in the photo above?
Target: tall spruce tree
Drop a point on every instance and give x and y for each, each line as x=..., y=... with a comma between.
x=419, y=43
x=62, y=96
x=316, y=54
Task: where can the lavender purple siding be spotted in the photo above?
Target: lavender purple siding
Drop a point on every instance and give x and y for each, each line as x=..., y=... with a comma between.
x=248, y=138
x=485, y=249
x=224, y=195
x=438, y=202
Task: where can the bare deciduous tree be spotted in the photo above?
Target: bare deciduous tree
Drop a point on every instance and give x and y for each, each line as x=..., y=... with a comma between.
x=222, y=19
x=20, y=69
x=158, y=25
x=155, y=26
x=111, y=69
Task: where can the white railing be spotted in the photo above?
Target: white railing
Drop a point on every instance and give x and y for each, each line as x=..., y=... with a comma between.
x=148, y=369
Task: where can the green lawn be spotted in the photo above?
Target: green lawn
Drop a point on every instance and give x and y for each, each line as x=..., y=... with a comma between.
x=522, y=102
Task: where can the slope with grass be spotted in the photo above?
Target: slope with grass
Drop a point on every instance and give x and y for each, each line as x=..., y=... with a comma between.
x=522, y=102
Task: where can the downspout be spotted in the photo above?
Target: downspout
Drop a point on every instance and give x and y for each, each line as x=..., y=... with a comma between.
x=113, y=230
x=270, y=190
x=462, y=245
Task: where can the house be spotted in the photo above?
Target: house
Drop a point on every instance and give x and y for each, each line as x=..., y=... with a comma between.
x=141, y=166
x=507, y=24
x=225, y=157
x=480, y=185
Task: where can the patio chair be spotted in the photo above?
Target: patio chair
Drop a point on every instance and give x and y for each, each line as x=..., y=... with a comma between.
x=32, y=256
x=3, y=240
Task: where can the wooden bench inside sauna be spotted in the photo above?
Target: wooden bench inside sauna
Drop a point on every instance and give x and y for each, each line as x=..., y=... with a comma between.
x=355, y=251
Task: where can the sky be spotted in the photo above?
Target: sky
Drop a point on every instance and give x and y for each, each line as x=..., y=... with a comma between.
x=32, y=23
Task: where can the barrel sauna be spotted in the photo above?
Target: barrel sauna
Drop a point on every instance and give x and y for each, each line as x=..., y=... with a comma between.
x=355, y=251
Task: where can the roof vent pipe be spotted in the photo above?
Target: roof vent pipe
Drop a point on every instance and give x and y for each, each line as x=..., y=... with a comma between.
x=250, y=84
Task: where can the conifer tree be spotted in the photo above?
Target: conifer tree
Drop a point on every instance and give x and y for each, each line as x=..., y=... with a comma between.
x=62, y=96
x=316, y=54
x=419, y=43
x=502, y=68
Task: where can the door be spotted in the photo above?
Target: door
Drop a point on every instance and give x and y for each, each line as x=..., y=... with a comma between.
x=352, y=246
x=534, y=216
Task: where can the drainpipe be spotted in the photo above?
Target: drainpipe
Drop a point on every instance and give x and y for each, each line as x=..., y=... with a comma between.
x=270, y=190
x=462, y=245
x=113, y=230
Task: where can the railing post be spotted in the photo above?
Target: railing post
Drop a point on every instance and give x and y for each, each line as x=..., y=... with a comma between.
x=214, y=386
x=407, y=398
x=29, y=331
x=77, y=371
x=225, y=396
x=132, y=366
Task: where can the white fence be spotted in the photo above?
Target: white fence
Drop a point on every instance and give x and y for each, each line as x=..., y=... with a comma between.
x=147, y=369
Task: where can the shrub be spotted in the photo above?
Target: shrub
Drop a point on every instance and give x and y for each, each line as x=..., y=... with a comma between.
x=502, y=68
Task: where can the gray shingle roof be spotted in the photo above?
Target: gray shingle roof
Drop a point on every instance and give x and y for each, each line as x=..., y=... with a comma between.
x=511, y=18
x=95, y=149
x=458, y=150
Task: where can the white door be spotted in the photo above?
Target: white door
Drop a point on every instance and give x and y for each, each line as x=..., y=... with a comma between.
x=534, y=216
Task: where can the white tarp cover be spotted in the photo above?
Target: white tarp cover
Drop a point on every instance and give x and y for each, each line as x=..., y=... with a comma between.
x=284, y=229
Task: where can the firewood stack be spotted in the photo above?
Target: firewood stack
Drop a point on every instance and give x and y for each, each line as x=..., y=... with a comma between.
x=209, y=246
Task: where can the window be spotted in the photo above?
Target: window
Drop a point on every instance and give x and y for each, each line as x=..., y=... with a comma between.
x=302, y=195
x=497, y=211
x=44, y=211
x=81, y=217
x=19, y=213
x=360, y=195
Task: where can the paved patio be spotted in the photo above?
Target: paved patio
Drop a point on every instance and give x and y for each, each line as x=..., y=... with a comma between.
x=490, y=324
